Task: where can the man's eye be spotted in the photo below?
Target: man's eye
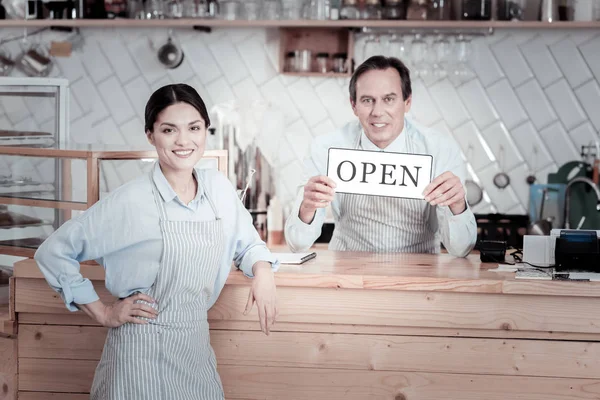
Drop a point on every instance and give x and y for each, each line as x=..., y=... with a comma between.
x=167, y=130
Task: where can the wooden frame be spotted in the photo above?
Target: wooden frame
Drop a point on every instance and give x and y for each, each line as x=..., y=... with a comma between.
x=92, y=155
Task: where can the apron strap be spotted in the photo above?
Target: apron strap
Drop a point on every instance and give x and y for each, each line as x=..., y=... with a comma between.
x=160, y=204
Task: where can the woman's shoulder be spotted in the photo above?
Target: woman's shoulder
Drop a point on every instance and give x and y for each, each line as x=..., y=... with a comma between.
x=129, y=196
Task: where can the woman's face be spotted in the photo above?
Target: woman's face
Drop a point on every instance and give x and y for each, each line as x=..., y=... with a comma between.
x=179, y=136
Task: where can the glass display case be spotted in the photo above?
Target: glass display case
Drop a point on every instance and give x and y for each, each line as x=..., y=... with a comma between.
x=42, y=187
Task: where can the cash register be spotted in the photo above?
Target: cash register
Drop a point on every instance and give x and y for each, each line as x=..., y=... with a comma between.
x=576, y=250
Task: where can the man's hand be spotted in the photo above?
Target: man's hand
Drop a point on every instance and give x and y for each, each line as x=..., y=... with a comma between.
x=318, y=193
x=446, y=190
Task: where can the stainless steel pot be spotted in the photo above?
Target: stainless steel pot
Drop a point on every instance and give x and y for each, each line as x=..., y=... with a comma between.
x=170, y=55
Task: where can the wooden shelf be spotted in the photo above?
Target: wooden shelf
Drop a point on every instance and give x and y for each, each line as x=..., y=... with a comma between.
x=216, y=23
x=318, y=74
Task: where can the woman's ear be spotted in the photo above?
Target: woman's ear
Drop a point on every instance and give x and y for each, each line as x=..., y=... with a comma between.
x=150, y=137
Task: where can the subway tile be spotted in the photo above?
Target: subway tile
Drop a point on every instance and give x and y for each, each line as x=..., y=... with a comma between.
x=531, y=146
x=423, y=109
x=468, y=137
x=503, y=199
x=478, y=103
x=94, y=61
x=584, y=135
x=591, y=53
x=275, y=93
x=299, y=136
x=566, y=104
x=116, y=100
x=560, y=145
x=502, y=145
x=512, y=62
x=571, y=62
x=119, y=58
x=337, y=105
x=202, y=62
x=589, y=96
x=449, y=104
x=308, y=102
x=507, y=103
x=538, y=55
x=229, y=61
x=256, y=60
x=536, y=104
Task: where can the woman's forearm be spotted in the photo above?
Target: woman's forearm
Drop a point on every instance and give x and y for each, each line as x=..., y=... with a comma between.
x=95, y=310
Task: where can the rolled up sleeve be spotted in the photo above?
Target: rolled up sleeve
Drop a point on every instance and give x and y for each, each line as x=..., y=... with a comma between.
x=58, y=259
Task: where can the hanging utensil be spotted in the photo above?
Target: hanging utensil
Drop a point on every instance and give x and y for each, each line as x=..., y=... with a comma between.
x=501, y=179
x=169, y=54
x=541, y=226
x=531, y=177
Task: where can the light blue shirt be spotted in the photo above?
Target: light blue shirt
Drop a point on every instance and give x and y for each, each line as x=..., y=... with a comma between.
x=458, y=232
x=122, y=233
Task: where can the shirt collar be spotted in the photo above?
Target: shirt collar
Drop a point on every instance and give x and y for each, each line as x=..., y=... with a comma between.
x=164, y=187
x=397, y=146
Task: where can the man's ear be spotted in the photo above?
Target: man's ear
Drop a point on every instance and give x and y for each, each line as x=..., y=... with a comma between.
x=353, y=104
x=407, y=104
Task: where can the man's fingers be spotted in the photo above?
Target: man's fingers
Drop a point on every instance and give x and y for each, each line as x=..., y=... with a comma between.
x=268, y=320
x=445, y=193
x=457, y=197
x=324, y=180
x=436, y=182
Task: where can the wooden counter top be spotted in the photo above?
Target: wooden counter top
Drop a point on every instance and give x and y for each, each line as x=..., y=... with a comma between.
x=389, y=271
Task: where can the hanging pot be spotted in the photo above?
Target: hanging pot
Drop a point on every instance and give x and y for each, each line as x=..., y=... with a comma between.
x=170, y=55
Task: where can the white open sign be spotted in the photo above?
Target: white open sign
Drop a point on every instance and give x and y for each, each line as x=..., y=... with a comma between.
x=379, y=173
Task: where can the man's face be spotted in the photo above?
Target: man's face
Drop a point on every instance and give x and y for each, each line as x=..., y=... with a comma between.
x=380, y=106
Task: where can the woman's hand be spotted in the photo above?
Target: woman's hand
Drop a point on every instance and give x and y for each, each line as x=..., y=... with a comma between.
x=263, y=293
x=121, y=311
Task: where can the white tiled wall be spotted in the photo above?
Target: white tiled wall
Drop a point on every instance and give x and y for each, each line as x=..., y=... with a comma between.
x=532, y=92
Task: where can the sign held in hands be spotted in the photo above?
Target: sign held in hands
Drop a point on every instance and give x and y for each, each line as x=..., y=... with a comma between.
x=379, y=173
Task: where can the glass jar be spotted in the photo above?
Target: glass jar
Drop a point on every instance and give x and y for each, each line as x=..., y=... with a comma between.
x=303, y=60
x=290, y=62
x=339, y=63
x=349, y=10
x=477, y=9
x=323, y=63
x=418, y=10
x=372, y=10
x=439, y=10
x=394, y=9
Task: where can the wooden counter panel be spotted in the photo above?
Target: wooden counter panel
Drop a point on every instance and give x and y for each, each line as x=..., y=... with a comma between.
x=391, y=308
x=8, y=367
x=346, y=351
x=51, y=375
x=52, y=396
x=420, y=309
x=310, y=384
x=251, y=382
x=68, y=342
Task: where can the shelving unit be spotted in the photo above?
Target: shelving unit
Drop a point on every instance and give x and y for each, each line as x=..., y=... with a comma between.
x=215, y=23
x=93, y=156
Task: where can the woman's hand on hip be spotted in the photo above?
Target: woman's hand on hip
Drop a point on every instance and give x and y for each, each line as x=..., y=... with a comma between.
x=121, y=311
x=263, y=292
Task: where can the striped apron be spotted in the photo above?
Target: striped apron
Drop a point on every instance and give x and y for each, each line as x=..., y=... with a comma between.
x=384, y=224
x=171, y=357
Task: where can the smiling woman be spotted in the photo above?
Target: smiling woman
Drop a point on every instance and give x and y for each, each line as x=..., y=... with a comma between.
x=166, y=241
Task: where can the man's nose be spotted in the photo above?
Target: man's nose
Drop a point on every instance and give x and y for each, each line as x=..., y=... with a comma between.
x=377, y=109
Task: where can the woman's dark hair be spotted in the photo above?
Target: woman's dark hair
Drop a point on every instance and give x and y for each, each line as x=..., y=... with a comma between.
x=382, y=63
x=172, y=94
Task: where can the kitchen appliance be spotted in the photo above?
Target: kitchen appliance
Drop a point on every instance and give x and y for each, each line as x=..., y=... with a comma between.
x=577, y=250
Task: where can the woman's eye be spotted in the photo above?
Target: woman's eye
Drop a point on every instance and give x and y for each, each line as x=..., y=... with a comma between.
x=167, y=130
x=195, y=128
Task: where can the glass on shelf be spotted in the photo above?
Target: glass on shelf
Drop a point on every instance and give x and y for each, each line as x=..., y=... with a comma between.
x=372, y=10
x=323, y=62
x=339, y=63
x=349, y=10
x=394, y=9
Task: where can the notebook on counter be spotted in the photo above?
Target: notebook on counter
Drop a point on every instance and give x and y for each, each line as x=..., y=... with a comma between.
x=294, y=258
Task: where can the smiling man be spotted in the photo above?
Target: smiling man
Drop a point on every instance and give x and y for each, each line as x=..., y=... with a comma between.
x=381, y=95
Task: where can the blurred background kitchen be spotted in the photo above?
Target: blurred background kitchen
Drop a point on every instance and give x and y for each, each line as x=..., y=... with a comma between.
x=522, y=101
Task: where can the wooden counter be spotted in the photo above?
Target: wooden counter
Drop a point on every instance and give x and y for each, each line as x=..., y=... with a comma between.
x=355, y=326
